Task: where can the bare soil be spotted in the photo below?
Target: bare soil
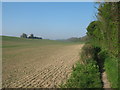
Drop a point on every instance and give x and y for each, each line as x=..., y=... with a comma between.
x=106, y=83
x=43, y=67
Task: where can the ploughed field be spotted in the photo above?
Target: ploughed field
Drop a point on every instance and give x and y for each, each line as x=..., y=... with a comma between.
x=30, y=63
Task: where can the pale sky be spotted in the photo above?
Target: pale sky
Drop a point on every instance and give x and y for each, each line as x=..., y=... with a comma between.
x=51, y=20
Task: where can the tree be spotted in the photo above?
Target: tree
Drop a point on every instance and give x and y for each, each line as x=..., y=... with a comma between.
x=93, y=26
x=23, y=35
x=104, y=31
x=31, y=36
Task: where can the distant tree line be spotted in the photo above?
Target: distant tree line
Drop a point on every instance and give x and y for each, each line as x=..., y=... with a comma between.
x=80, y=39
x=31, y=36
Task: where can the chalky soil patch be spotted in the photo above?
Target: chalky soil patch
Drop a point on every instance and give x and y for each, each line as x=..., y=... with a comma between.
x=106, y=83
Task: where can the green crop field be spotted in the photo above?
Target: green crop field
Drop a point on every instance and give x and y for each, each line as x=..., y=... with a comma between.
x=9, y=42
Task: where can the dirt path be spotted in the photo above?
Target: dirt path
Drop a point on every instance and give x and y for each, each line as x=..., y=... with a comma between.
x=106, y=83
x=103, y=75
x=43, y=69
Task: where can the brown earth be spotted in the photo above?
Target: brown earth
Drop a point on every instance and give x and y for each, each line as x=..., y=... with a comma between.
x=46, y=66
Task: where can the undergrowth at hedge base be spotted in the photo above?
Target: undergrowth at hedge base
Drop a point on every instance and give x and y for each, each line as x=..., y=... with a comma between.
x=84, y=76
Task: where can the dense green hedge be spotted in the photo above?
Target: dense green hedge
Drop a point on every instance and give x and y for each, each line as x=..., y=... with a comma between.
x=104, y=33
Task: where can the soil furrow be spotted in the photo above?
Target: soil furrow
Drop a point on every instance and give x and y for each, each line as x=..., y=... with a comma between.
x=45, y=69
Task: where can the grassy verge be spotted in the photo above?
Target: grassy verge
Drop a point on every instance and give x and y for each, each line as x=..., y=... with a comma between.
x=111, y=67
x=85, y=74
